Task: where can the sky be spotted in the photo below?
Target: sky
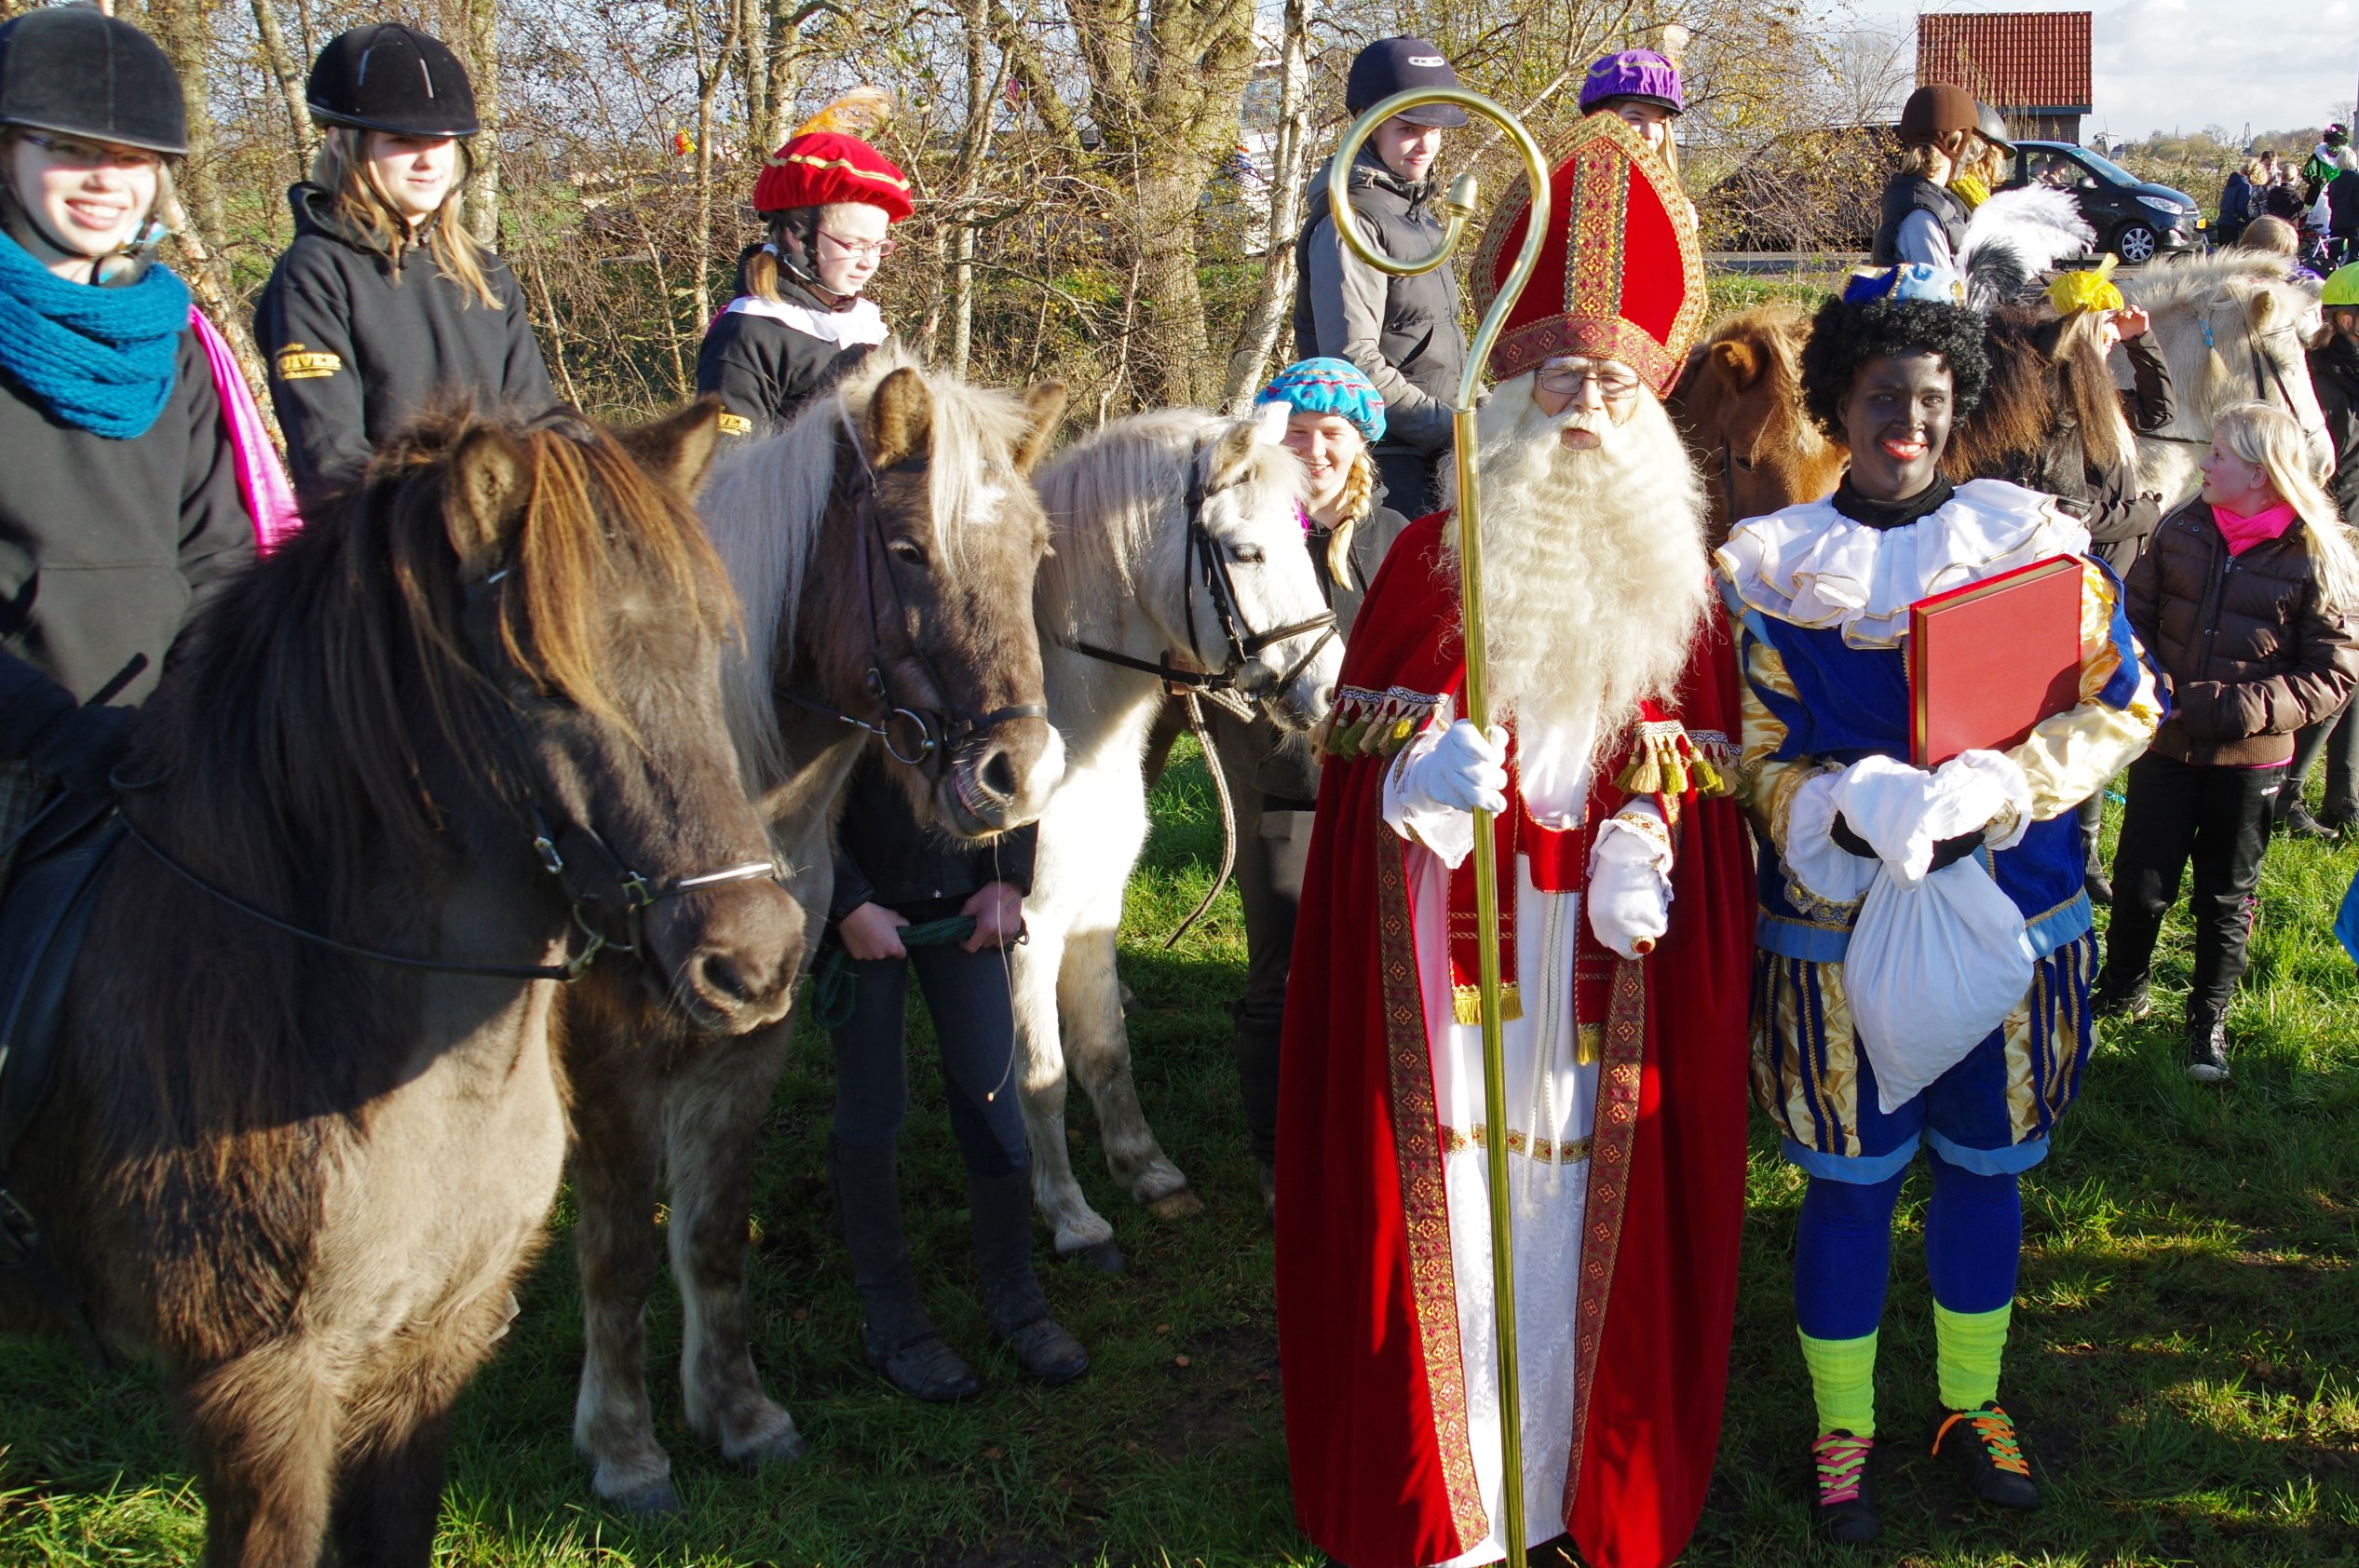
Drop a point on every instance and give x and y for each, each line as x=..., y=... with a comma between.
x=2179, y=65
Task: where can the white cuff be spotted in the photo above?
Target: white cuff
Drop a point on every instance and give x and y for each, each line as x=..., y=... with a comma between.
x=2004, y=828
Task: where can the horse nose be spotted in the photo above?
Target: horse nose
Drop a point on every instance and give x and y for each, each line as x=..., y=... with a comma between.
x=1002, y=777
x=739, y=947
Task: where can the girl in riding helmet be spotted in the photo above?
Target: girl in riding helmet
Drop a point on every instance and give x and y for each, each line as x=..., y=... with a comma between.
x=1926, y=202
x=1641, y=88
x=121, y=509
x=828, y=200
x=384, y=300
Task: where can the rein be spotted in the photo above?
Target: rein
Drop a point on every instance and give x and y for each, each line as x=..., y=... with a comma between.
x=938, y=730
x=1203, y=561
x=638, y=893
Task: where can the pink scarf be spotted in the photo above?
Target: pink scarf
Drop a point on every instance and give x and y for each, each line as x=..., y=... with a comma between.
x=2243, y=533
x=270, y=501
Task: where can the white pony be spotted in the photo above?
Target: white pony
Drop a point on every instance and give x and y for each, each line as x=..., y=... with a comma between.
x=2232, y=327
x=1134, y=572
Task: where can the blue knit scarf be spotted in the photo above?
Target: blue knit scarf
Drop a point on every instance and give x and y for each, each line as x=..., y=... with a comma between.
x=100, y=359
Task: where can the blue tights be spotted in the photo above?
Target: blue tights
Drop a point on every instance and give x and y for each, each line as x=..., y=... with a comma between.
x=1973, y=1242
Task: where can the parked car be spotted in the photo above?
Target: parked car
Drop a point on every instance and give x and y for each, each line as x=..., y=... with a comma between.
x=2135, y=219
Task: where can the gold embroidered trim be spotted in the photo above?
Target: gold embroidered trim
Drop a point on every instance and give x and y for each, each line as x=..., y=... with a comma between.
x=1365, y=723
x=298, y=363
x=735, y=425
x=1425, y=1204
x=1616, y=1130
x=1572, y=1151
x=1466, y=1003
x=1666, y=761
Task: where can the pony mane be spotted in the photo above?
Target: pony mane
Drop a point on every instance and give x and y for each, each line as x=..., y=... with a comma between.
x=2184, y=291
x=766, y=510
x=295, y=709
x=1106, y=493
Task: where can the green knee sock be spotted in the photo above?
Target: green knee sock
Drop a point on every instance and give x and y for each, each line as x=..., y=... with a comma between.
x=1969, y=1345
x=1843, y=1380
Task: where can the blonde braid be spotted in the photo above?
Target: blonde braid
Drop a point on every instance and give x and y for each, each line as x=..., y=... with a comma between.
x=1358, y=498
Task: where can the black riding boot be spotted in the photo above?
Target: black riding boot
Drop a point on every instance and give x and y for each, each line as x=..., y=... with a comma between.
x=1019, y=1314
x=899, y=1338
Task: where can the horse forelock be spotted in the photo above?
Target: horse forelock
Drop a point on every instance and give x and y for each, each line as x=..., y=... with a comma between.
x=2212, y=371
x=305, y=712
x=766, y=509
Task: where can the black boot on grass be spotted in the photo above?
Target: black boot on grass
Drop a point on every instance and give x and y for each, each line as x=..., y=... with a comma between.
x=2112, y=997
x=2207, y=1048
x=898, y=1337
x=1002, y=1207
x=1846, y=1507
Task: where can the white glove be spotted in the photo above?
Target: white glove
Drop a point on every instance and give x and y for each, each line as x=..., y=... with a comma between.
x=1629, y=889
x=1904, y=812
x=1825, y=868
x=1464, y=771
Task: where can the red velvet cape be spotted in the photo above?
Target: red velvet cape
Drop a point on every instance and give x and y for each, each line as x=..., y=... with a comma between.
x=1367, y=1328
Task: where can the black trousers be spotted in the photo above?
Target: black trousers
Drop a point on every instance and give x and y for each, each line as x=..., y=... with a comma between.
x=2337, y=737
x=975, y=1034
x=2215, y=818
x=1273, y=843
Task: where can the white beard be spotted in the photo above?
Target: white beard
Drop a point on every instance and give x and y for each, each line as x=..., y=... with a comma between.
x=1594, y=576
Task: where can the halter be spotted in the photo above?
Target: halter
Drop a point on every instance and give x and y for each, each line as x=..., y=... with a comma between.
x=929, y=732
x=2260, y=360
x=1203, y=561
x=631, y=891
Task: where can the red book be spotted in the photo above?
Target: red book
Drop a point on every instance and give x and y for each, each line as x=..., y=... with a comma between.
x=1989, y=661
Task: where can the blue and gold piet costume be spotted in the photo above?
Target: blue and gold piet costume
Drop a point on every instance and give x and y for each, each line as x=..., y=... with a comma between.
x=1821, y=603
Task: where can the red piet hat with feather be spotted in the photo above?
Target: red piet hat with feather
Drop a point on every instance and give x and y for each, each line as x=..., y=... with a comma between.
x=1623, y=274
x=818, y=167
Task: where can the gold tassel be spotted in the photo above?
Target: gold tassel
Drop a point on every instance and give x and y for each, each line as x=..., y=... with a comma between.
x=1466, y=1004
x=1589, y=1048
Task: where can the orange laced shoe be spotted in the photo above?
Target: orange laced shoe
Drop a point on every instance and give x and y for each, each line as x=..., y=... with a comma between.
x=1981, y=1446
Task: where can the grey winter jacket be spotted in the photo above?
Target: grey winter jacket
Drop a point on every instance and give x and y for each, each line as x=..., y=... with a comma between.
x=1402, y=332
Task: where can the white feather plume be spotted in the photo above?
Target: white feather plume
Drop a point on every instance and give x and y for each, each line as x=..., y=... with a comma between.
x=2017, y=236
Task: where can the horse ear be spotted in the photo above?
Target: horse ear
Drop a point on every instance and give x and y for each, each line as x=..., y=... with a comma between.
x=1044, y=401
x=1740, y=364
x=489, y=481
x=677, y=450
x=2261, y=310
x=1265, y=426
x=901, y=420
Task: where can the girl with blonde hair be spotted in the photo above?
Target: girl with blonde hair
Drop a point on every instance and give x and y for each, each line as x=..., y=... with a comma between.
x=2250, y=655
x=384, y=300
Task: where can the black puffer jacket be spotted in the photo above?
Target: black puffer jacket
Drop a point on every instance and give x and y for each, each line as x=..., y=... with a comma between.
x=358, y=343
x=1402, y=332
x=2247, y=649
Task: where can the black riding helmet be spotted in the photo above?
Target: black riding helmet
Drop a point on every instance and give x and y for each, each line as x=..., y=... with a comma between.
x=385, y=76
x=75, y=70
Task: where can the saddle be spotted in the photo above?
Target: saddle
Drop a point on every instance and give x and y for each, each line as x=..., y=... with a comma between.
x=45, y=914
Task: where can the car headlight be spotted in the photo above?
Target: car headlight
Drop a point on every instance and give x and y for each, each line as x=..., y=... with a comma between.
x=2161, y=204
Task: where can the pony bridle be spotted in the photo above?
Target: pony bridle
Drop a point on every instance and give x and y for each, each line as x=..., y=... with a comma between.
x=912, y=736
x=1203, y=561
x=2261, y=361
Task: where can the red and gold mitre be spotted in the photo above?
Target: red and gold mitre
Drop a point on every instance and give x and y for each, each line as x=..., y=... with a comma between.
x=1621, y=277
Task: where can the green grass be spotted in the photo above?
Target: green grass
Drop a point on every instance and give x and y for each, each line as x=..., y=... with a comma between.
x=2186, y=1360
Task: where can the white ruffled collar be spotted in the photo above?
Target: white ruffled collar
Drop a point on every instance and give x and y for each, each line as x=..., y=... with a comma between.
x=1811, y=566
x=863, y=323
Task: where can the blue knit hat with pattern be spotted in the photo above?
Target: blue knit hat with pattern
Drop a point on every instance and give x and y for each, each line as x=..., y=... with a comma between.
x=1326, y=386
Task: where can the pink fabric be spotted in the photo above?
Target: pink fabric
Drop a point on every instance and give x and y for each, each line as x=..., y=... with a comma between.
x=262, y=479
x=2243, y=533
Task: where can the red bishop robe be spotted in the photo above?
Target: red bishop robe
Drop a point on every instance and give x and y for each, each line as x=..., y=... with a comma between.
x=1369, y=1341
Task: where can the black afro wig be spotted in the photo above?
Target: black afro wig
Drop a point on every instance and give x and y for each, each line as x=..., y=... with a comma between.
x=1846, y=336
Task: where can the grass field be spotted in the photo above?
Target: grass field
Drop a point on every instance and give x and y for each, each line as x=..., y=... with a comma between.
x=2186, y=1360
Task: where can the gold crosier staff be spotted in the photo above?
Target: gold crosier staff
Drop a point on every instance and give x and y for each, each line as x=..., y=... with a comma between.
x=1457, y=207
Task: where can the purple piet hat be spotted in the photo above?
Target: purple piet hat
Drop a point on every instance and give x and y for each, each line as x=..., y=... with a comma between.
x=1639, y=74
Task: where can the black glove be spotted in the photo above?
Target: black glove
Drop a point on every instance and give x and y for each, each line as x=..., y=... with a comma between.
x=79, y=747
x=1948, y=852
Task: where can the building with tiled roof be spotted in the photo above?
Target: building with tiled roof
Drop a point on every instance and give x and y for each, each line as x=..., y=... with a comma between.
x=2031, y=66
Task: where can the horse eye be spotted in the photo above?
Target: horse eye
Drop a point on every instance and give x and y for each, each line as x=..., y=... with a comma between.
x=1248, y=555
x=904, y=549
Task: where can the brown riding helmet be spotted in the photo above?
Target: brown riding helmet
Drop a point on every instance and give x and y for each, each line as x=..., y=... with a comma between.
x=1934, y=112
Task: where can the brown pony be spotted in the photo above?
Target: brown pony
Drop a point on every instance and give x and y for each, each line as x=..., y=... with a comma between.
x=305, y=1178
x=1739, y=408
x=911, y=486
